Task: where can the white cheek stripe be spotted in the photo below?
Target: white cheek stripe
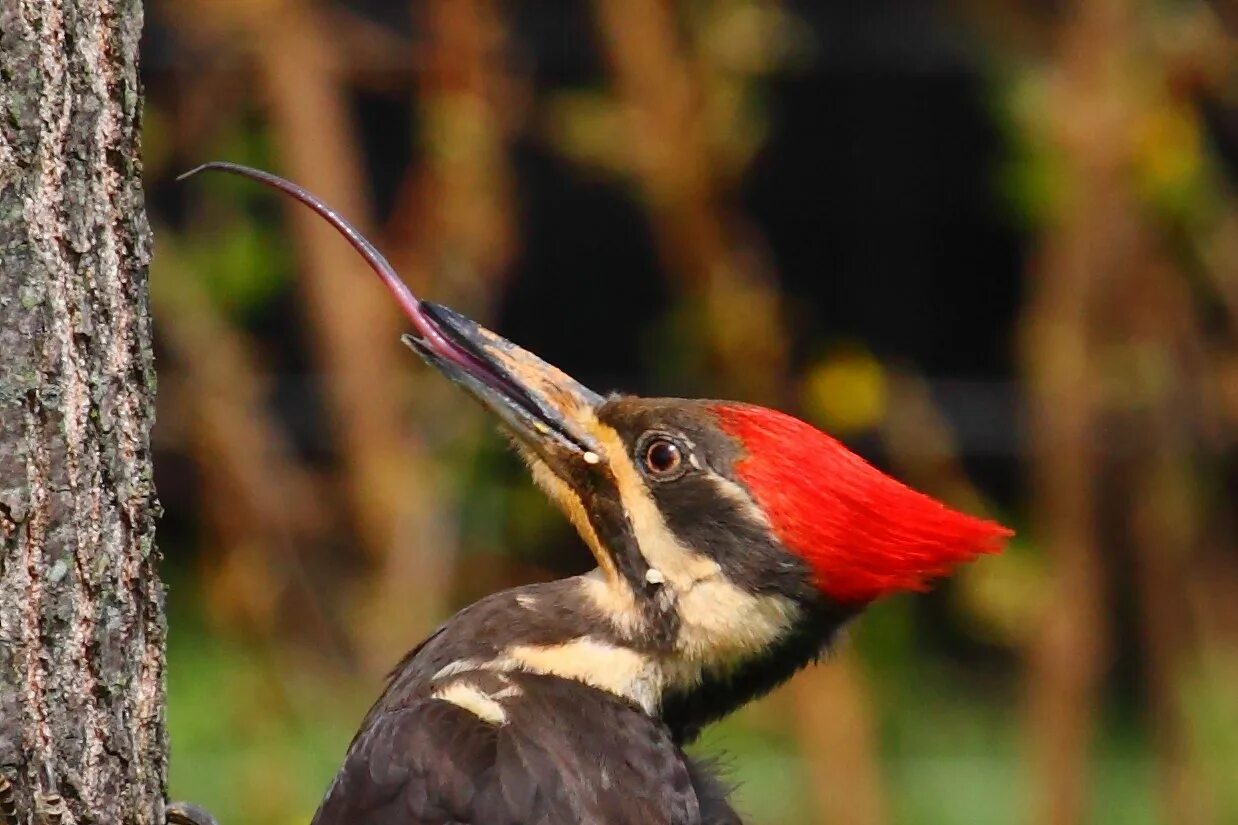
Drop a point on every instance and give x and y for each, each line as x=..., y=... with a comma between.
x=720, y=624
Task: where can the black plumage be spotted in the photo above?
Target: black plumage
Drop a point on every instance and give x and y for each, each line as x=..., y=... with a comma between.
x=566, y=752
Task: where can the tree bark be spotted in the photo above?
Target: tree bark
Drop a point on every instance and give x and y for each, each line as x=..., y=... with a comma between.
x=81, y=605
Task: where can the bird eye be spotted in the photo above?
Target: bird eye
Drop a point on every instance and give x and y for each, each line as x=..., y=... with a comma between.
x=663, y=457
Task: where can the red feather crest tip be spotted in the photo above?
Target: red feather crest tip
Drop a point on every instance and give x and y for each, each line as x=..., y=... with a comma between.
x=864, y=534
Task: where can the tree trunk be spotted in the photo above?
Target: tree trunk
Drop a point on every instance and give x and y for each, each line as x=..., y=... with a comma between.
x=81, y=605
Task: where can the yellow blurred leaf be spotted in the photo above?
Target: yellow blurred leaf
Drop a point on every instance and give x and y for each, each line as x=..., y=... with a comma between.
x=1168, y=150
x=1002, y=596
x=589, y=128
x=847, y=391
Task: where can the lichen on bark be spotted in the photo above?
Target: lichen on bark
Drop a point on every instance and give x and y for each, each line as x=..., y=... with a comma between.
x=81, y=605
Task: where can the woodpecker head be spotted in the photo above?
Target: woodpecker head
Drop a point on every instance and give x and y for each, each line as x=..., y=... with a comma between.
x=730, y=539
x=759, y=511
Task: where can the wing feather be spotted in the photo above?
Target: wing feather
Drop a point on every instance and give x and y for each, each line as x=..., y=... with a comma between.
x=566, y=753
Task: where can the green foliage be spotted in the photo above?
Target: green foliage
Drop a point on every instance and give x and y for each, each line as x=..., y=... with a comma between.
x=241, y=261
x=242, y=267
x=253, y=740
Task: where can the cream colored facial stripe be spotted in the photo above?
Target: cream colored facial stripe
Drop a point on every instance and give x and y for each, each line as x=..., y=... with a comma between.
x=680, y=566
x=720, y=623
x=737, y=494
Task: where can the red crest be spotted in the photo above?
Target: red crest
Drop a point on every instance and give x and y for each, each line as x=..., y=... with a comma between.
x=863, y=533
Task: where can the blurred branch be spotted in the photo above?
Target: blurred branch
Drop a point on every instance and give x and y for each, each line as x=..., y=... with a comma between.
x=703, y=244
x=1165, y=535
x=1069, y=653
x=453, y=222
x=227, y=35
x=1171, y=517
x=272, y=511
x=837, y=742
x=394, y=490
x=1080, y=249
x=458, y=204
x=1094, y=283
x=1218, y=254
x=372, y=56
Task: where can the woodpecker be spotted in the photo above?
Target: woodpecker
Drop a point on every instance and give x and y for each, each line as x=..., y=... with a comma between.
x=732, y=542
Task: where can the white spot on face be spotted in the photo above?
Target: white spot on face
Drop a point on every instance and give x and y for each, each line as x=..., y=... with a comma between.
x=654, y=576
x=591, y=457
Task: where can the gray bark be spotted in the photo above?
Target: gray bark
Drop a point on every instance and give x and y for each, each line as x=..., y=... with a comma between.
x=81, y=605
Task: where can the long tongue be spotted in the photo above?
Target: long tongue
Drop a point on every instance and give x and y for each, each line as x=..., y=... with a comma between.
x=429, y=332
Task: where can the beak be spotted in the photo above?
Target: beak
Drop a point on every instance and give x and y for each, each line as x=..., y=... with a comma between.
x=543, y=407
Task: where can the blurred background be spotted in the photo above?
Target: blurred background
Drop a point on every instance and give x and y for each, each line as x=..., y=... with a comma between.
x=991, y=244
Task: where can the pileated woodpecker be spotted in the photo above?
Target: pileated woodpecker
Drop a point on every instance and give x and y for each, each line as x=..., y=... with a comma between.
x=732, y=542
